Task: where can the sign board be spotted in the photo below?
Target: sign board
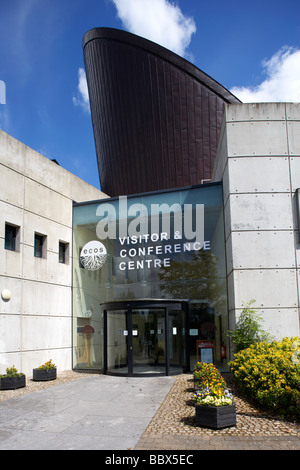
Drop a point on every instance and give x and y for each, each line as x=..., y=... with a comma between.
x=205, y=351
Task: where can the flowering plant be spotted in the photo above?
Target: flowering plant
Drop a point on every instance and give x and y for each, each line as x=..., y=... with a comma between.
x=207, y=375
x=207, y=397
x=210, y=386
x=270, y=373
x=12, y=372
x=48, y=365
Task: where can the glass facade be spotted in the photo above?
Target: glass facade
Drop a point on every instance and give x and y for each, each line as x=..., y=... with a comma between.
x=157, y=246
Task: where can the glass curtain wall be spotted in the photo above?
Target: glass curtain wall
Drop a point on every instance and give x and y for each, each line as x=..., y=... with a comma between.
x=160, y=261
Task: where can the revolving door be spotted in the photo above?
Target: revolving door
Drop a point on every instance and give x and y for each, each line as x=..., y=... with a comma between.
x=144, y=338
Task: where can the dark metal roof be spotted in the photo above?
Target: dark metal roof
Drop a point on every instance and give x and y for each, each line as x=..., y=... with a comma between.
x=156, y=117
x=162, y=52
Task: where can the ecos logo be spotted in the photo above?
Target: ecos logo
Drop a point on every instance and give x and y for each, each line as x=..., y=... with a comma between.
x=93, y=255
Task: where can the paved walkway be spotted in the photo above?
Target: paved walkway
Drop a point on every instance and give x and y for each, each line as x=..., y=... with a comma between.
x=194, y=443
x=93, y=413
x=115, y=413
x=174, y=427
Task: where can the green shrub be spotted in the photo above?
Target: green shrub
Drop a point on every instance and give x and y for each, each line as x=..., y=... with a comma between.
x=248, y=329
x=270, y=373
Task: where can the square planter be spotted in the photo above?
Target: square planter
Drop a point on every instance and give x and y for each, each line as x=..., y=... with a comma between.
x=43, y=375
x=11, y=383
x=215, y=417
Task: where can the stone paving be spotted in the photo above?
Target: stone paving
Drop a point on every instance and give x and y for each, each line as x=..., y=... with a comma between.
x=173, y=426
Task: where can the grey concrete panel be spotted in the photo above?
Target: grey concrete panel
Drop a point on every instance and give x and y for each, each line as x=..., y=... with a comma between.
x=265, y=249
x=256, y=112
x=257, y=138
x=261, y=212
x=269, y=287
x=12, y=186
x=14, y=305
x=46, y=269
x=40, y=332
x=9, y=359
x=61, y=357
x=292, y=111
x=11, y=262
x=46, y=299
x=259, y=174
x=12, y=152
x=47, y=203
x=295, y=173
x=54, y=231
x=293, y=128
x=12, y=215
x=10, y=327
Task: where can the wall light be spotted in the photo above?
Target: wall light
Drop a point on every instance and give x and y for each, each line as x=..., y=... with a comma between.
x=6, y=295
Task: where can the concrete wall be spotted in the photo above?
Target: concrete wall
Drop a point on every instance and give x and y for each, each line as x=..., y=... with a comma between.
x=258, y=160
x=36, y=195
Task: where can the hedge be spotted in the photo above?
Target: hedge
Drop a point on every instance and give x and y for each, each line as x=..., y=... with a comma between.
x=270, y=373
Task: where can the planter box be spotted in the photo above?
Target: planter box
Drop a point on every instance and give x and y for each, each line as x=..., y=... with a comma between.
x=11, y=383
x=42, y=375
x=215, y=417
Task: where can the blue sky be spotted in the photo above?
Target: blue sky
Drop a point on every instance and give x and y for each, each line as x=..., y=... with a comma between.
x=251, y=48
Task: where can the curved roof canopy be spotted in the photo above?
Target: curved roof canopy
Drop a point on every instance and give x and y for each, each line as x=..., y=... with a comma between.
x=156, y=116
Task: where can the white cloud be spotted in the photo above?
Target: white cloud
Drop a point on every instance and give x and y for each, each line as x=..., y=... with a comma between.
x=82, y=97
x=282, y=83
x=160, y=21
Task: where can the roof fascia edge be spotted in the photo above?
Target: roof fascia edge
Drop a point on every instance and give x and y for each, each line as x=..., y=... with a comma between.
x=172, y=57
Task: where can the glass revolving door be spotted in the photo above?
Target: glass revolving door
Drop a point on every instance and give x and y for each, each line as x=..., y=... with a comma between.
x=142, y=338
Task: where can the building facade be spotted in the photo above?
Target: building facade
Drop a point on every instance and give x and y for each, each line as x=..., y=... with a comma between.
x=156, y=116
x=36, y=199
x=258, y=161
x=149, y=282
x=149, y=278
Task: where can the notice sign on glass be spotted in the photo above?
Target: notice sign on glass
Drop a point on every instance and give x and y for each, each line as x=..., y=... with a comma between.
x=205, y=351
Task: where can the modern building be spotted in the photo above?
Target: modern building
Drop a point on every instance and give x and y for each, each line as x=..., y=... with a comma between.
x=200, y=214
x=36, y=200
x=156, y=116
x=258, y=162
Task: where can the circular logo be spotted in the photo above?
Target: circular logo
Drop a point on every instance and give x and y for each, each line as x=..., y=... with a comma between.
x=93, y=255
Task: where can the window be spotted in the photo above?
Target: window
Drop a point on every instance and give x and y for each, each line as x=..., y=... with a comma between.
x=63, y=253
x=40, y=248
x=12, y=239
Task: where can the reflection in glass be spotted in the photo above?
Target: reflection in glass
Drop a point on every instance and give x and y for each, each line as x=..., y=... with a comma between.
x=117, y=342
x=149, y=269
x=148, y=341
x=176, y=336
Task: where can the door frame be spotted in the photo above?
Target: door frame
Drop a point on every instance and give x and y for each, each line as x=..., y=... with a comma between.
x=166, y=305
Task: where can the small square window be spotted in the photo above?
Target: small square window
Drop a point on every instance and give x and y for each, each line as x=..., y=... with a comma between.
x=12, y=239
x=40, y=248
x=63, y=253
